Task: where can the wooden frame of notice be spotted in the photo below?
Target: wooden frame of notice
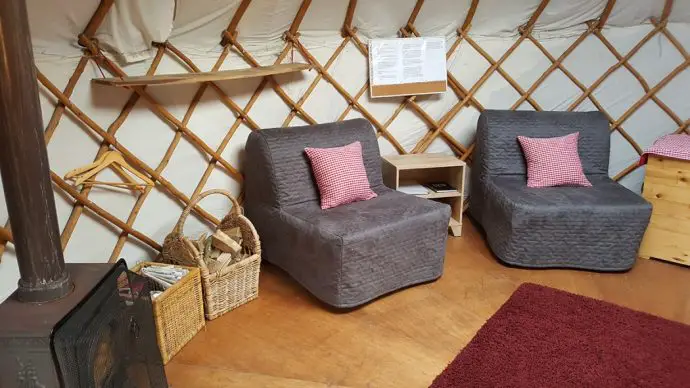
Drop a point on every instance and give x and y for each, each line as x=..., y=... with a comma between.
x=431, y=86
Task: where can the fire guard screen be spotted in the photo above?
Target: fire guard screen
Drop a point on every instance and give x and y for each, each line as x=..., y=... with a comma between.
x=109, y=340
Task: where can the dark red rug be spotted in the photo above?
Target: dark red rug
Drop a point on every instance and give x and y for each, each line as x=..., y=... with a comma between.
x=542, y=337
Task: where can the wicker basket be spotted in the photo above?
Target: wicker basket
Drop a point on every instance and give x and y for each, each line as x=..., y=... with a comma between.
x=178, y=312
x=233, y=285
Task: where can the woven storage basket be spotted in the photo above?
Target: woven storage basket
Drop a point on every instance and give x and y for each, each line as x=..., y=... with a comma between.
x=233, y=285
x=178, y=311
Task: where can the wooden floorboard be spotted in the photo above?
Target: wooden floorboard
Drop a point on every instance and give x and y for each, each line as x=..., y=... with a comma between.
x=288, y=339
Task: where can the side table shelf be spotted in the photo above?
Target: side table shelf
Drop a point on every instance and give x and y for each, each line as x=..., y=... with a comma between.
x=426, y=168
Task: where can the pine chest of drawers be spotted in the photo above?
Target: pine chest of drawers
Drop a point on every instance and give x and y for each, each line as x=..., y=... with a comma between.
x=667, y=187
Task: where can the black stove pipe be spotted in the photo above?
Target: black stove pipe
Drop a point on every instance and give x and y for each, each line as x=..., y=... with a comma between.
x=24, y=164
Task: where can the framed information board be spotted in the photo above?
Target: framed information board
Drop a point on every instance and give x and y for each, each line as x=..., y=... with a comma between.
x=407, y=66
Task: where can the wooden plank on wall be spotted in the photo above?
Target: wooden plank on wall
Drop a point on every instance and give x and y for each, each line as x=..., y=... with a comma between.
x=190, y=78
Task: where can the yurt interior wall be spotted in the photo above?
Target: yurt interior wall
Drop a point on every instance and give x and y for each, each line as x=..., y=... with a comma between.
x=627, y=59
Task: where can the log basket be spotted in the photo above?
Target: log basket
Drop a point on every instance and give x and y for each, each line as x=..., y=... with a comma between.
x=231, y=286
x=178, y=312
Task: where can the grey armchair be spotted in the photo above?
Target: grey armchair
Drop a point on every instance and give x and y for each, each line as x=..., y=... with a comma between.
x=597, y=228
x=350, y=254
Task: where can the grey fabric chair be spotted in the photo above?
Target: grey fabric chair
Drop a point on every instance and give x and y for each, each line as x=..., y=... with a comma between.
x=350, y=254
x=597, y=228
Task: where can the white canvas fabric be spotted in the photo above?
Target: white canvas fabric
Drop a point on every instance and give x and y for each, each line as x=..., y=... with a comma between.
x=131, y=25
x=127, y=31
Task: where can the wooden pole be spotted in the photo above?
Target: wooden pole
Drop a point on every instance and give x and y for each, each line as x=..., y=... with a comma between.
x=24, y=164
x=605, y=15
x=349, y=15
x=97, y=18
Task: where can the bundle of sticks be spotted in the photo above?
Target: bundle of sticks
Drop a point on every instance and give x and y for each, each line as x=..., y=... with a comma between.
x=221, y=249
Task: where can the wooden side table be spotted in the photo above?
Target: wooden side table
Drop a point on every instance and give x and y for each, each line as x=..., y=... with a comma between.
x=425, y=168
x=667, y=187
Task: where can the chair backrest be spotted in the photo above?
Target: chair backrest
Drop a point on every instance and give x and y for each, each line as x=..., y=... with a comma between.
x=277, y=171
x=498, y=151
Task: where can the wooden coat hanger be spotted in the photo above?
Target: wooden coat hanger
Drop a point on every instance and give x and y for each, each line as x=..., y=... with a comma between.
x=114, y=160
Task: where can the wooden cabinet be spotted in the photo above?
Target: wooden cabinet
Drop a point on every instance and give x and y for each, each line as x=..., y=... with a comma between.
x=426, y=168
x=667, y=187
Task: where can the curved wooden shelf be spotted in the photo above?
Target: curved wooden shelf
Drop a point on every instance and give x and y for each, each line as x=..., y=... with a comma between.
x=191, y=78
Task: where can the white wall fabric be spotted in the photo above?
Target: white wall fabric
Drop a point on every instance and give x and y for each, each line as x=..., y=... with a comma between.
x=127, y=31
x=131, y=25
x=635, y=12
x=569, y=14
x=56, y=24
x=198, y=23
x=196, y=30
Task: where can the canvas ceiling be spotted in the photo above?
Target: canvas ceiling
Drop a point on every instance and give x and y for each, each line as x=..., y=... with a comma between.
x=590, y=41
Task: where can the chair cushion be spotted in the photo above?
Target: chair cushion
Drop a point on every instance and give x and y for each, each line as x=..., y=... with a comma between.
x=553, y=161
x=605, y=195
x=596, y=228
x=353, y=253
x=340, y=174
x=359, y=220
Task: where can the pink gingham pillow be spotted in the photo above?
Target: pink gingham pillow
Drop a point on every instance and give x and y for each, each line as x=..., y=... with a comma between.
x=553, y=161
x=340, y=174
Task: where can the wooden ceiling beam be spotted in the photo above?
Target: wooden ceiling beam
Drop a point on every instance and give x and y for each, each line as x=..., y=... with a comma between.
x=535, y=16
x=349, y=15
x=415, y=12
x=297, y=21
x=467, y=24
x=606, y=13
x=97, y=18
x=666, y=13
x=232, y=27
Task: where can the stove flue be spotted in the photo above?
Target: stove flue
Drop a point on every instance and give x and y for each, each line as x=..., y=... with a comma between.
x=74, y=325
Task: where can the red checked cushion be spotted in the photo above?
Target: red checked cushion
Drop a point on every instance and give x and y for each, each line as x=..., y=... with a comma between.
x=340, y=174
x=553, y=161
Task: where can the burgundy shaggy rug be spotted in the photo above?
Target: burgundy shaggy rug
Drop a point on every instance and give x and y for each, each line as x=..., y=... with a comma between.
x=542, y=337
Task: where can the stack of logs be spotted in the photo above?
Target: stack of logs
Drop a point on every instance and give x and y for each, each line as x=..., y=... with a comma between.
x=221, y=249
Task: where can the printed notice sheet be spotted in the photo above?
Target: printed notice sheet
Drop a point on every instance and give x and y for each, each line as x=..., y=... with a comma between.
x=407, y=61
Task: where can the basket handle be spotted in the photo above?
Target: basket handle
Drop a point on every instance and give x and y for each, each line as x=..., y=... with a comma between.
x=236, y=208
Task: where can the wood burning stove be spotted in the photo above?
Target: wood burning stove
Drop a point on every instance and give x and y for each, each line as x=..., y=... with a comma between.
x=105, y=338
x=74, y=325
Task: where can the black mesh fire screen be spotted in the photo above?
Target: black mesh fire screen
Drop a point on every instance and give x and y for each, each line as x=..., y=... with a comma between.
x=109, y=340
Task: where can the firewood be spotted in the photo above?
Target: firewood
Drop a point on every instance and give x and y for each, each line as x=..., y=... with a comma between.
x=201, y=243
x=214, y=254
x=207, y=248
x=220, y=262
x=235, y=234
x=226, y=244
x=224, y=260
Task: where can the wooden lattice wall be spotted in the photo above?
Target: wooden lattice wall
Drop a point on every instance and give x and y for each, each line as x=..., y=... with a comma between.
x=437, y=128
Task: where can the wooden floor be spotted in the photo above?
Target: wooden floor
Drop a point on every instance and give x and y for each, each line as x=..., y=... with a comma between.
x=287, y=339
